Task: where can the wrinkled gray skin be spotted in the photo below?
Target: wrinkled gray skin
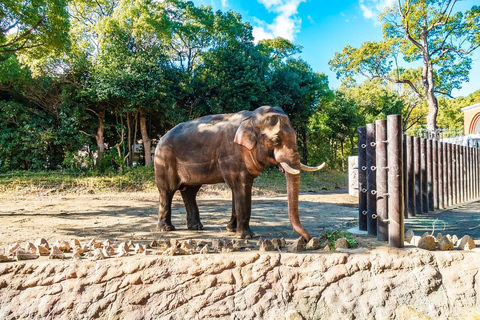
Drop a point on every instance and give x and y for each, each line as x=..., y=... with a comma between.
x=231, y=148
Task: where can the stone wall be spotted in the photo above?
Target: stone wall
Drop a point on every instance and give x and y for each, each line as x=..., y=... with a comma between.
x=379, y=284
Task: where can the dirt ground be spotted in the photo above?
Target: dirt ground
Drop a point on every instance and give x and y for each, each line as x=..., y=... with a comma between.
x=132, y=216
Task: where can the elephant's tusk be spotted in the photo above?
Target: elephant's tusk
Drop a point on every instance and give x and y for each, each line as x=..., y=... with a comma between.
x=289, y=169
x=307, y=168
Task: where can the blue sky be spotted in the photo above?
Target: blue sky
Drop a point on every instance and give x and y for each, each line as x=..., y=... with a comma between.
x=324, y=27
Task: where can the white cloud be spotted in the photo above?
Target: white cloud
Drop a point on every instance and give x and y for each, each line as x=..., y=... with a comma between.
x=286, y=24
x=372, y=8
x=225, y=3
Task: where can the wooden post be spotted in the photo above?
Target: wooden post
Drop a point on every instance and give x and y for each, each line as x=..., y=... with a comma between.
x=445, y=174
x=362, y=178
x=418, y=176
x=450, y=176
x=423, y=173
x=461, y=176
x=410, y=177
x=430, y=175
x=441, y=204
x=371, y=181
x=382, y=179
x=435, y=173
x=405, y=177
x=395, y=181
x=454, y=174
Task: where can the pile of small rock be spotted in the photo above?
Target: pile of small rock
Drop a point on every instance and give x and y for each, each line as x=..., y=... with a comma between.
x=441, y=242
x=96, y=250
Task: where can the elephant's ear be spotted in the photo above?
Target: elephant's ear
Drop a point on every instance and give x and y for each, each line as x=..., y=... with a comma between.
x=246, y=135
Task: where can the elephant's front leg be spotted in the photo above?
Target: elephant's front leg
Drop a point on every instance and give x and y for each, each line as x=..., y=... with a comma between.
x=189, y=196
x=165, y=211
x=243, y=208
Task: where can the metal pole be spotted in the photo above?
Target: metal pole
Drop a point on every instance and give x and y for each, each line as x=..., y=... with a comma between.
x=362, y=178
x=382, y=177
x=430, y=175
x=371, y=181
x=410, y=177
x=423, y=173
x=418, y=176
x=395, y=181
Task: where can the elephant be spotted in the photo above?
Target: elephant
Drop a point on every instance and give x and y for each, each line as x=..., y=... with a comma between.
x=232, y=148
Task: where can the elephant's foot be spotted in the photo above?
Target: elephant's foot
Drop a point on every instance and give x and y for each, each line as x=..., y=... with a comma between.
x=162, y=226
x=195, y=226
x=231, y=227
x=244, y=234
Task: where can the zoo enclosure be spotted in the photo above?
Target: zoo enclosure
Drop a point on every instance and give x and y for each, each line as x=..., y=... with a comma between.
x=402, y=176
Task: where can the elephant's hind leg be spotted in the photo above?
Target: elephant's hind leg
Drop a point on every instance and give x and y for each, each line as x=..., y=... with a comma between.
x=189, y=195
x=165, y=211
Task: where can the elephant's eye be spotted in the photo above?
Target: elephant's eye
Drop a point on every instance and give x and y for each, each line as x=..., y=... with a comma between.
x=275, y=141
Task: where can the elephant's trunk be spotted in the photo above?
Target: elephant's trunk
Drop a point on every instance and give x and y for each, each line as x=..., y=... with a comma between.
x=293, y=186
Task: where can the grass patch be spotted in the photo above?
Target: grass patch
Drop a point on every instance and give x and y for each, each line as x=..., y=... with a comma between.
x=142, y=179
x=331, y=236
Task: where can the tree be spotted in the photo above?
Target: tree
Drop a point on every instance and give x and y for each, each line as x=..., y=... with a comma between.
x=426, y=31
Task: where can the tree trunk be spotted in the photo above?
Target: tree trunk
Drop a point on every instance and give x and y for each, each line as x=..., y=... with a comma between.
x=428, y=84
x=147, y=143
x=100, y=136
x=129, y=140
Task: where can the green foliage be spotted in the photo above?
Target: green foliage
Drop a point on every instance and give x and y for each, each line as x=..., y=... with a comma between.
x=332, y=236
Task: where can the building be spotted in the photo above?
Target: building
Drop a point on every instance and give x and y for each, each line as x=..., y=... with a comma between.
x=471, y=119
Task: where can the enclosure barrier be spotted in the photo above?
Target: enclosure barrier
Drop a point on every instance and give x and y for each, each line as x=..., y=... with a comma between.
x=402, y=176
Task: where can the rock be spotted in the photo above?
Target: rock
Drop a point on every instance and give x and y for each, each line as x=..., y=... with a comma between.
x=121, y=252
x=173, y=242
x=75, y=243
x=293, y=315
x=3, y=258
x=466, y=243
x=30, y=247
x=327, y=248
x=13, y=248
x=439, y=237
x=108, y=251
x=123, y=246
x=341, y=243
x=278, y=244
x=42, y=242
x=21, y=254
x=267, y=245
x=76, y=255
x=63, y=246
x=139, y=248
x=415, y=240
x=92, y=244
x=445, y=244
x=409, y=235
x=97, y=254
x=186, y=248
x=42, y=250
x=205, y=250
x=154, y=244
x=296, y=246
x=314, y=244
x=454, y=238
x=56, y=253
x=106, y=243
x=428, y=242
x=170, y=251
x=227, y=247
x=217, y=245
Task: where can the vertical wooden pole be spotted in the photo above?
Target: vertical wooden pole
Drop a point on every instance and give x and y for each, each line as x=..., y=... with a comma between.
x=436, y=200
x=362, y=178
x=382, y=179
x=371, y=181
x=449, y=174
x=461, y=176
x=418, y=176
x=410, y=177
x=454, y=174
x=423, y=173
x=430, y=175
x=405, y=176
x=441, y=204
x=445, y=174
x=395, y=181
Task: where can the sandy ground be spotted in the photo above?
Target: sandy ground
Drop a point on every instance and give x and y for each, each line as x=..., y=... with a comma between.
x=132, y=216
